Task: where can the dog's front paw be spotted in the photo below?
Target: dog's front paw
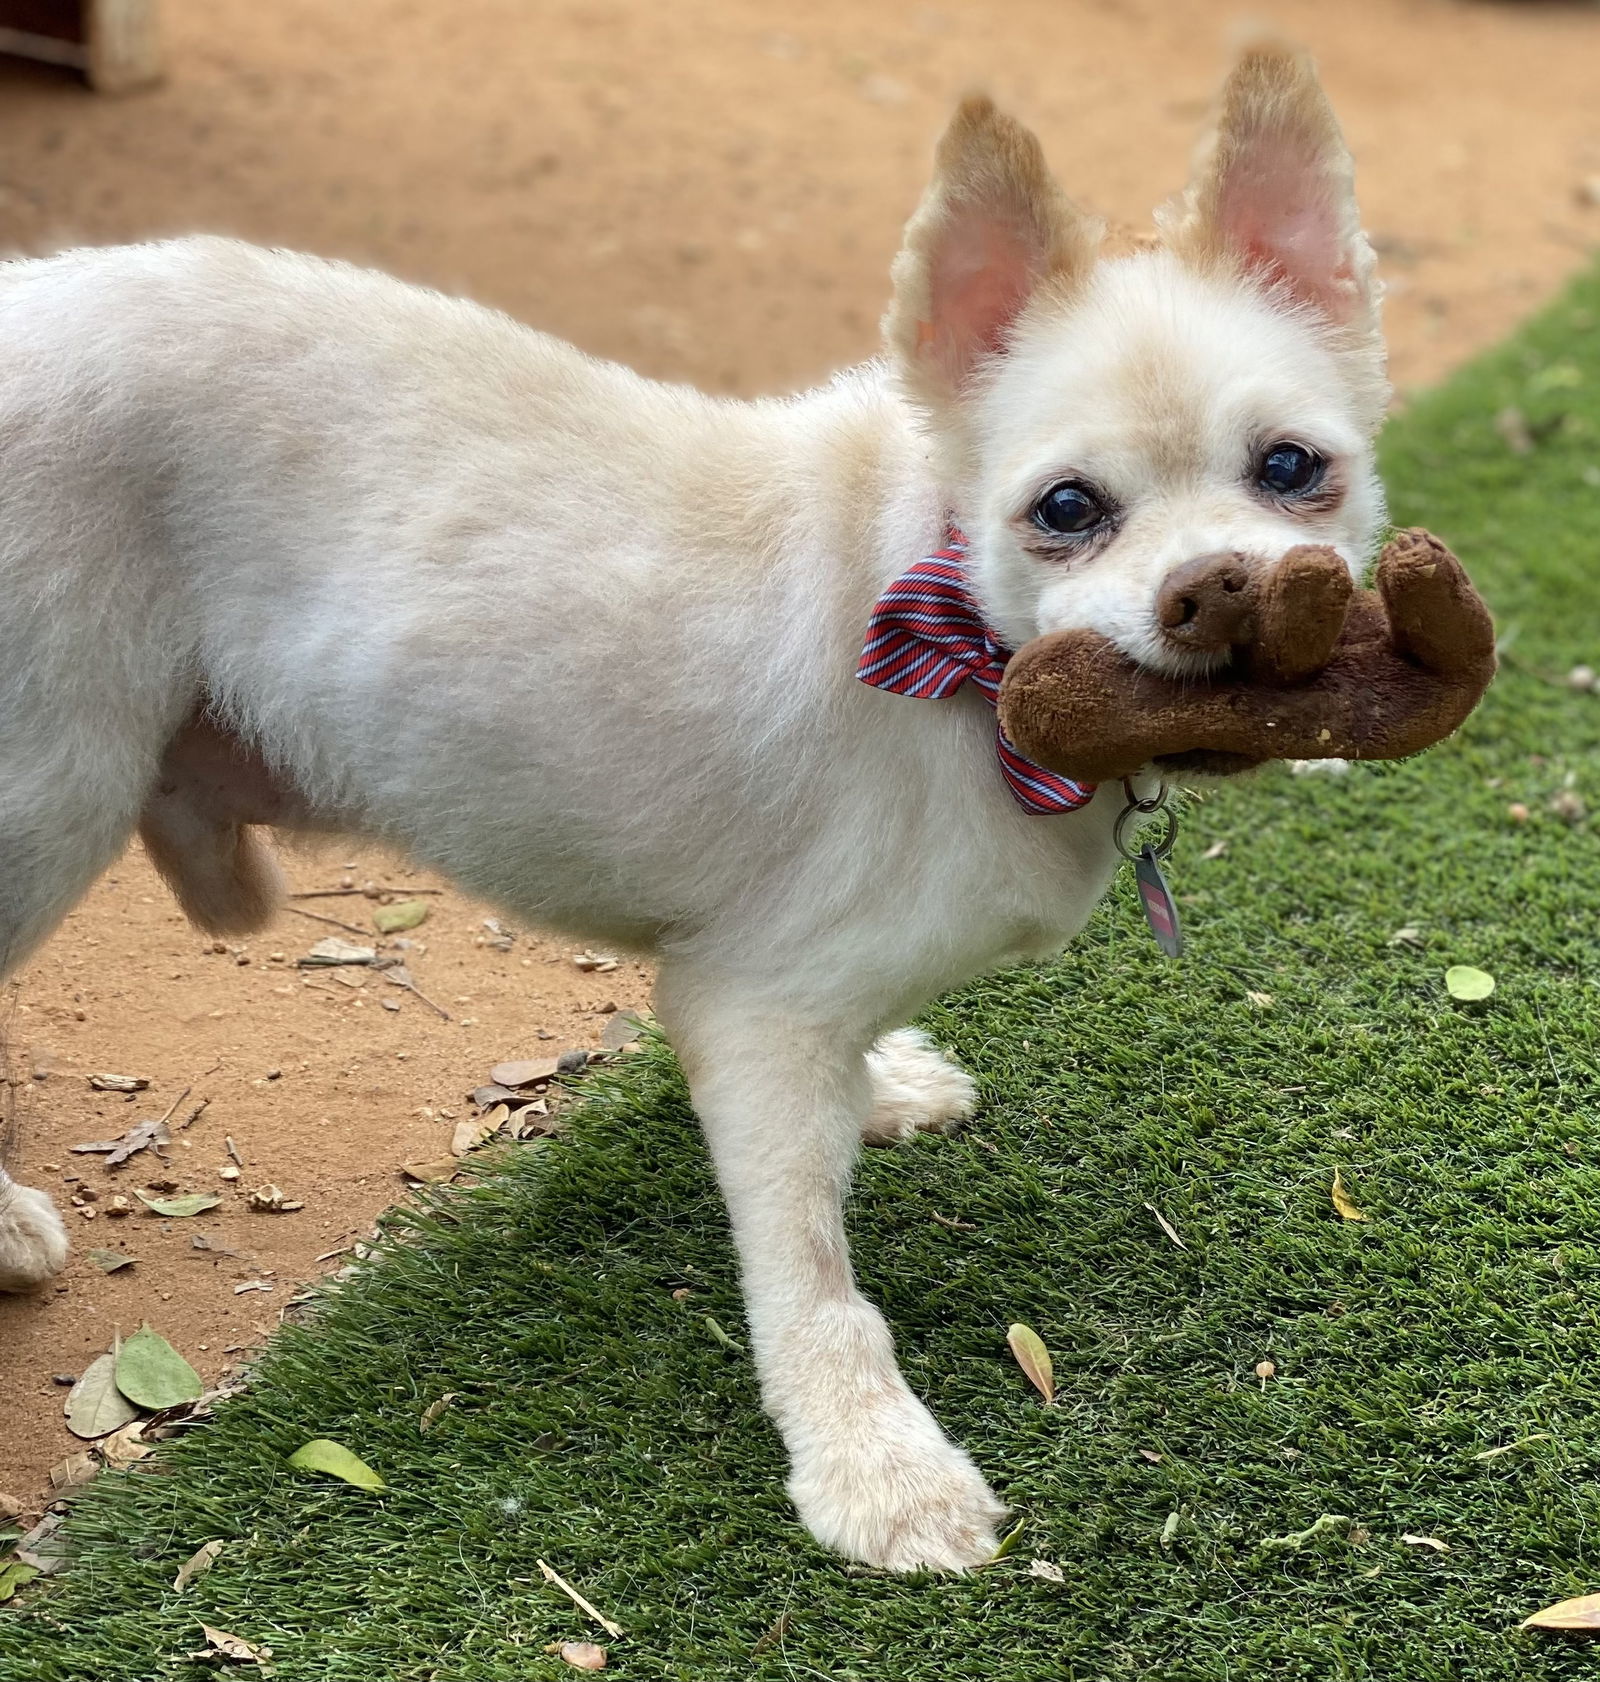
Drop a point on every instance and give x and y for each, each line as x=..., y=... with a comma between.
x=915, y=1088
x=33, y=1239
x=904, y=1498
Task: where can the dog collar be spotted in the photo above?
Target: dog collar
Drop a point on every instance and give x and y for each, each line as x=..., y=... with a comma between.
x=927, y=637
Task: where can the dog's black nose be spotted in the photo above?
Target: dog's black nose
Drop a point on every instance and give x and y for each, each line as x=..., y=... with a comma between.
x=1208, y=605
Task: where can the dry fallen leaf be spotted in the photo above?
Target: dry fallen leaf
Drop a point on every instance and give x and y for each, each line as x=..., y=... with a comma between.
x=1410, y=935
x=74, y=1470
x=334, y=951
x=1166, y=1226
x=1583, y=1613
x=94, y=1405
x=143, y=1135
x=1049, y=1572
x=1216, y=850
x=1034, y=1359
x=598, y=963
x=197, y=1564
x=108, y=1261
x=1262, y=1001
x=124, y=1447
x=1426, y=1542
x=118, y=1083
x=1343, y=1202
x=486, y=1097
x=223, y=1644
x=469, y=1135
x=42, y=1547
x=624, y=1029
x=583, y=1655
x=1511, y=1448
x=444, y=1169
x=432, y=1411
x=529, y=1072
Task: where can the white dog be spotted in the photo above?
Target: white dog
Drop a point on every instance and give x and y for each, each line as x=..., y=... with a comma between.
x=287, y=543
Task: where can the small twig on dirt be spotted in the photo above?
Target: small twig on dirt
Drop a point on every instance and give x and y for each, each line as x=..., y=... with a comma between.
x=401, y=978
x=343, y=893
x=194, y=1115
x=174, y=1104
x=233, y=1151
x=552, y=1576
x=332, y=922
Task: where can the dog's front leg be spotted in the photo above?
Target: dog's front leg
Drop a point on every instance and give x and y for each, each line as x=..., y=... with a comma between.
x=782, y=1102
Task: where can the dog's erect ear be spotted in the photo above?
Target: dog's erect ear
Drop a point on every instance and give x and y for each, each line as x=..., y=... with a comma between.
x=992, y=228
x=1274, y=191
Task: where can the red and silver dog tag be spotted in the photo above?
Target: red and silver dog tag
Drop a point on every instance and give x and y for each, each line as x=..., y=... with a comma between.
x=1155, y=897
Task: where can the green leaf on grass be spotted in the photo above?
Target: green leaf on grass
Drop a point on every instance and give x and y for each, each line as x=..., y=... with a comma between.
x=1462, y=981
x=95, y=1405
x=320, y=1455
x=1033, y=1358
x=153, y=1374
x=402, y=915
x=190, y=1205
x=13, y=1574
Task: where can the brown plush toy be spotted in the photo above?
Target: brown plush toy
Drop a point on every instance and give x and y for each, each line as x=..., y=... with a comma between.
x=1319, y=670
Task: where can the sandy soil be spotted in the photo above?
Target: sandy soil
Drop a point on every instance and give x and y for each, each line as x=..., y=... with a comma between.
x=711, y=191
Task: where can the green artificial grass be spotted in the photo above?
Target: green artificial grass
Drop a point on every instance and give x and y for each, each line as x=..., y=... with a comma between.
x=604, y=1426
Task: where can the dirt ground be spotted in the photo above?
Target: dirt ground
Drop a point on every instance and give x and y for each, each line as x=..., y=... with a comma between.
x=711, y=191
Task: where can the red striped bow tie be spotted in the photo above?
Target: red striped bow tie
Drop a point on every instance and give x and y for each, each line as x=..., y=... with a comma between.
x=927, y=637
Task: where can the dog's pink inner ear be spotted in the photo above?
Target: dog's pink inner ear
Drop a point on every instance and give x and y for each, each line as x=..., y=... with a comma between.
x=982, y=273
x=1283, y=206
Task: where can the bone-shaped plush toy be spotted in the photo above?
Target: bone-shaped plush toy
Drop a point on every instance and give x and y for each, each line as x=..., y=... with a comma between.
x=1321, y=670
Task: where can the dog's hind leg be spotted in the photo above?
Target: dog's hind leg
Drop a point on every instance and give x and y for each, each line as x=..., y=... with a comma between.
x=916, y=1088
x=33, y=1240
x=68, y=798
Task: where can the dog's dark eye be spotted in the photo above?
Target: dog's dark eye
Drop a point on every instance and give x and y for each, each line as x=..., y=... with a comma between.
x=1290, y=470
x=1069, y=510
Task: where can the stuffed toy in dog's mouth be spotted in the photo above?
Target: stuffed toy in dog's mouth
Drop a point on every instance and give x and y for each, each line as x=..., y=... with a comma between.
x=1323, y=671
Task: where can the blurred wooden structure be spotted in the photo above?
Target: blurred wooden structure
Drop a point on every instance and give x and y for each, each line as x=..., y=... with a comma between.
x=114, y=43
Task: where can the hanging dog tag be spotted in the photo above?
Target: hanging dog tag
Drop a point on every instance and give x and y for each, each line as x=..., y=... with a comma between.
x=1156, y=898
